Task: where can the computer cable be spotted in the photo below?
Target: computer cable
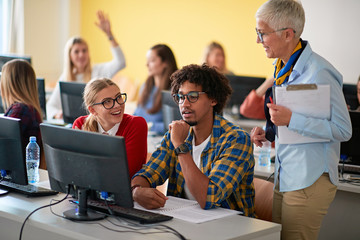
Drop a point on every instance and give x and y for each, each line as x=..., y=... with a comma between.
x=137, y=228
x=173, y=231
x=131, y=227
x=270, y=176
x=37, y=209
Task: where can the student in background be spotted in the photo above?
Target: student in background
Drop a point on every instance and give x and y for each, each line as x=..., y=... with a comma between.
x=161, y=64
x=306, y=175
x=106, y=105
x=77, y=67
x=205, y=157
x=253, y=105
x=214, y=56
x=19, y=95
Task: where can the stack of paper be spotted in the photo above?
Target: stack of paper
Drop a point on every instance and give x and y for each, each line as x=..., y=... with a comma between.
x=190, y=211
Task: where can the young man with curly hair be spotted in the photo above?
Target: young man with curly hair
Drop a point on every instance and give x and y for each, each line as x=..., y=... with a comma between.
x=205, y=157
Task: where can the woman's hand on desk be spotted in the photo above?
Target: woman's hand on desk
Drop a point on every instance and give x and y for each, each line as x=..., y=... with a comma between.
x=257, y=136
x=149, y=198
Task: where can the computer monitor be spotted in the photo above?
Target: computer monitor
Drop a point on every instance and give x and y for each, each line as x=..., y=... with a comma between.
x=350, y=94
x=12, y=151
x=4, y=58
x=42, y=97
x=71, y=94
x=88, y=162
x=242, y=86
x=170, y=109
x=350, y=150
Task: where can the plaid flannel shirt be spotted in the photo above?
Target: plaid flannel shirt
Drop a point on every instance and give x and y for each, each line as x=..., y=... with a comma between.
x=227, y=161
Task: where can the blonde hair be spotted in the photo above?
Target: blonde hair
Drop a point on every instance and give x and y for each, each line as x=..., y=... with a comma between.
x=91, y=90
x=18, y=84
x=214, y=45
x=69, y=68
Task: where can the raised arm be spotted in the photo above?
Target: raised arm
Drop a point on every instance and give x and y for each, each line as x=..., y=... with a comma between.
x=105, y=26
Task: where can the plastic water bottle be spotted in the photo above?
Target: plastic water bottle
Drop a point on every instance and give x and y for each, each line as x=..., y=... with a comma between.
x=32, y=160
x=264, y=156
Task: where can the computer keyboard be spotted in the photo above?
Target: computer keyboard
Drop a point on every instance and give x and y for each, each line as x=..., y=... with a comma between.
x=142, y=216
x=29, y=190
x=348, y=168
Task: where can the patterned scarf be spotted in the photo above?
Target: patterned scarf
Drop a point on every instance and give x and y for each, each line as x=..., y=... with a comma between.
x=282, y=72
x=281, y=75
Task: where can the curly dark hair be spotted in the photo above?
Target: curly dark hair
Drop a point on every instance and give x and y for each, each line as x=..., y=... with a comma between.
x=215, y=84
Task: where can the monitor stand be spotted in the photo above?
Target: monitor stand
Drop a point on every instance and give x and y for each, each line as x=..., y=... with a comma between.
x=81, y=213
x=3, y=192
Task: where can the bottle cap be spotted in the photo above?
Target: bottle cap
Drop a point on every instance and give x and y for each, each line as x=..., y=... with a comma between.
x=32, y=139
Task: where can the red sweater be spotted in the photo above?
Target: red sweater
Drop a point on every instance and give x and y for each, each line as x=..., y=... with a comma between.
x=134, y=130
x=253, y=106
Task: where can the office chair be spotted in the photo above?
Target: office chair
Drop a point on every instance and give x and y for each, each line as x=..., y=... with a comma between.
x=264, y=191
x=170, y=109
x=71, y=94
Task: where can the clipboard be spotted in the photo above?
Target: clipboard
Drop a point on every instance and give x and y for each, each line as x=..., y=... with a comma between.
x=307, y=99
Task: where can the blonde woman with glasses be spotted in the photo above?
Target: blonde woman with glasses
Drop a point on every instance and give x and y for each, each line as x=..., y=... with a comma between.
x=106, y=105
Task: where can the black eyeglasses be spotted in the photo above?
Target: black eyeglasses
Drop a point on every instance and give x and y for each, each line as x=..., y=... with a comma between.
x=260, y=34
x=109, y=103
x=192, y=97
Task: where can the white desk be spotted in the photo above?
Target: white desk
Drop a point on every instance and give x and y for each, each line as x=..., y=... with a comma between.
x=44, y=225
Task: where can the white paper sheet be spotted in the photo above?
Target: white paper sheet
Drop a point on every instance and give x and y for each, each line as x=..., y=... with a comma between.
x=309, y=102
x=190, y=211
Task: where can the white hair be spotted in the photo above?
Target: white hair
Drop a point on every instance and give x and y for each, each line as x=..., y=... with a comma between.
x=280, y=14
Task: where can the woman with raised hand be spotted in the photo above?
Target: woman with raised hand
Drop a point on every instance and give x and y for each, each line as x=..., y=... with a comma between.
x=77, y=66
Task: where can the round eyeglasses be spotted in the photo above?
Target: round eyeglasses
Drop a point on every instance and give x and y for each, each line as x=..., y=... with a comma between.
x=261, y=34
x=109, y=103
x=192, y=97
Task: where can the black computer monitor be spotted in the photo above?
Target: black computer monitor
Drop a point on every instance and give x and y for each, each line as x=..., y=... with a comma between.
x=242, y=86
x=350, y=94
x=4, y=58
x=12, y=151
x=89, y=162
x=350, y=150
x=71, y=94
x=42, y=97
x=170, y=109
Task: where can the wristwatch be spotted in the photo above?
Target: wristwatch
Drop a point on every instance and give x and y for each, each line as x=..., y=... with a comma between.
x=183, y=148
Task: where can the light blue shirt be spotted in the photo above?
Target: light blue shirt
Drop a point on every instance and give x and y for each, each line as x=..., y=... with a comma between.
x=300, y=165
x=156, y=119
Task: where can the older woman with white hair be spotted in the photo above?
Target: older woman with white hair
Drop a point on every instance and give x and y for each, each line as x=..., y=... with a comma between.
x=306, y=175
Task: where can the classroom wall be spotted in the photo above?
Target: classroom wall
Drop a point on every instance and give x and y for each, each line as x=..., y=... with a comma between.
x=47, y=27
x=186, y=26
